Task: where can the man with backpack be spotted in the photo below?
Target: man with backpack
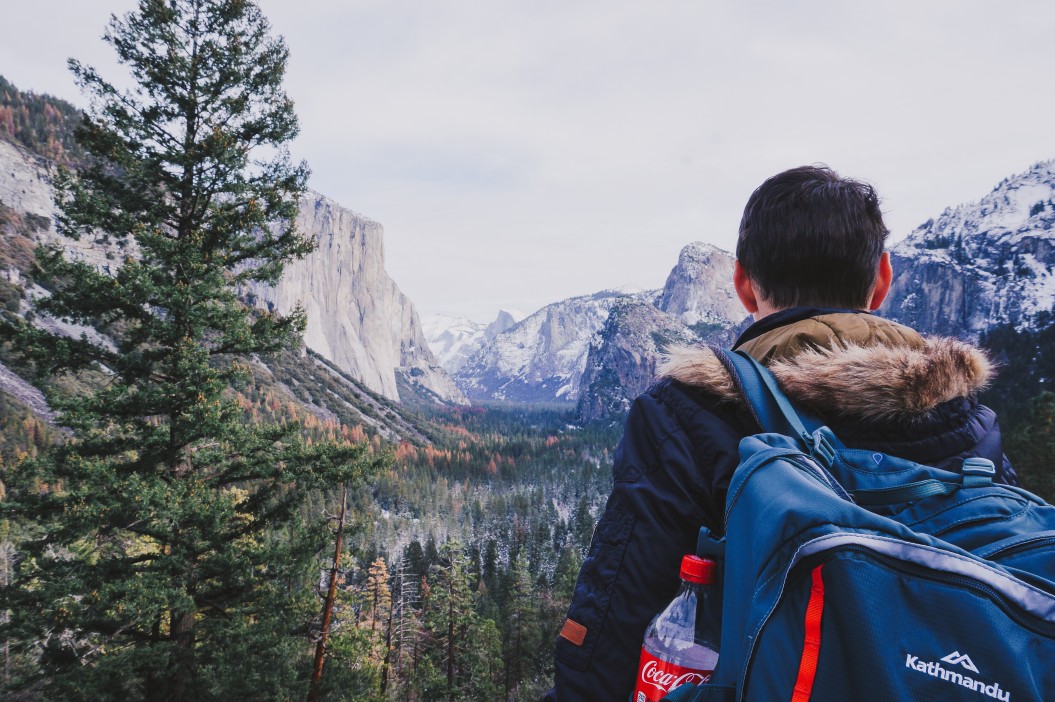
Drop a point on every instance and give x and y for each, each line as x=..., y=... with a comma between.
x=810, y=268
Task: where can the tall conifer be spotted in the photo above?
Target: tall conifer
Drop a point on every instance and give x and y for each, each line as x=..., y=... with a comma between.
x=170, y=560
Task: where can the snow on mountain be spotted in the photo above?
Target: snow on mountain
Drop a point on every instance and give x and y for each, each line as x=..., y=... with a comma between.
x=699, y=289
x=545, y=357
x=541, y=358
x=454, y=339
x=981, y=264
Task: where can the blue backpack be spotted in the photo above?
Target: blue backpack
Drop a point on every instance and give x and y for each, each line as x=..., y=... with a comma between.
x=854, y=575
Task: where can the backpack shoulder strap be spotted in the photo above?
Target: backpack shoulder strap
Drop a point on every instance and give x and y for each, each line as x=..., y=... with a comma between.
x=770, y=407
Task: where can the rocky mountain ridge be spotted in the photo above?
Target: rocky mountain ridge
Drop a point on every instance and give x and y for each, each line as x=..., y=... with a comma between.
x=697, y=305
x=542, y=357
x=572, y=351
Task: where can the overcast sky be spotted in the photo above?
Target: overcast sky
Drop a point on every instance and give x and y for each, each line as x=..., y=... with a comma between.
x=519, y=153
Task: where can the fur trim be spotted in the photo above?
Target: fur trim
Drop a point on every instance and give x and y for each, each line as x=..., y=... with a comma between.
x=870, y=382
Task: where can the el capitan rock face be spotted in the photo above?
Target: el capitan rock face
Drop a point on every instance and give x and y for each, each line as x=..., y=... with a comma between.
x=357, y=317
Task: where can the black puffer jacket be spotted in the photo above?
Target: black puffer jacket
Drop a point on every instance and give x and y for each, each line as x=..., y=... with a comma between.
x=879, y=386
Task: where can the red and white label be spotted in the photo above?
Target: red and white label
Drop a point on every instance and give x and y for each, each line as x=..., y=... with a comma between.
x=656, y=677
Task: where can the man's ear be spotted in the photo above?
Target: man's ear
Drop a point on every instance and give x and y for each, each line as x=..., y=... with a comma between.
x=884, y=276
x=745, y=289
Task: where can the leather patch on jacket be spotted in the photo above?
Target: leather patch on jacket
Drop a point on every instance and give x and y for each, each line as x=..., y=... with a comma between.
x=573, y=631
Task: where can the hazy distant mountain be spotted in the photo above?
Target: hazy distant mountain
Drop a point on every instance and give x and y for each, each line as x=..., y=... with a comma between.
x=542, y=357
x=454, y=339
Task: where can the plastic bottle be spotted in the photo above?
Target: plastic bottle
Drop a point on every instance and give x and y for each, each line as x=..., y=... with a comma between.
x=681, y=643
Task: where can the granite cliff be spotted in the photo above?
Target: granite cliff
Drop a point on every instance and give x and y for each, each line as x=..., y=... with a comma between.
x=357, y=317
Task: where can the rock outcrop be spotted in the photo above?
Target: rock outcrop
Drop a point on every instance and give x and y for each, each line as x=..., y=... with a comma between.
x=26, y=187
x=697, y=305
x=358, y=319
x=622, y=364
x=981, y=264
x=699, y=290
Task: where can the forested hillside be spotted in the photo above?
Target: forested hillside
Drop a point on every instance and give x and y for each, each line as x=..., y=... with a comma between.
x=41, y=123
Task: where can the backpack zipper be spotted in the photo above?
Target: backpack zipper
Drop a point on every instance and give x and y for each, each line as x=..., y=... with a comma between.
x=1024, y=545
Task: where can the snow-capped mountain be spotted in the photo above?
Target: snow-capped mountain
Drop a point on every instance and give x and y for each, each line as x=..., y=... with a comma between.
x=454, y=339
x=597, y=349
x=981, y=264
x=541, y=358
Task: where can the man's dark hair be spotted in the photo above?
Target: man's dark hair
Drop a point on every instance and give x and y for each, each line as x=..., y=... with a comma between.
x=809, y=238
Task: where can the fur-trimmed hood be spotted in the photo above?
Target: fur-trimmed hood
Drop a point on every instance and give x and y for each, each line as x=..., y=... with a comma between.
x=849, y=380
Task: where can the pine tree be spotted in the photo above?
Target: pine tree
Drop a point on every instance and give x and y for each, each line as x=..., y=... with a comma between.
x=465, y=647
x=520, y=623
x=170, y=560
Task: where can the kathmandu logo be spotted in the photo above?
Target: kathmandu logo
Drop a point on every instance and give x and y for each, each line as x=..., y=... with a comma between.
x=935, y=670
x=956, y=659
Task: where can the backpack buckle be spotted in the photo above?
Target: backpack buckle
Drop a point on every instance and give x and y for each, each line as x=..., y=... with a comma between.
x=822, y=449
x=978, y=472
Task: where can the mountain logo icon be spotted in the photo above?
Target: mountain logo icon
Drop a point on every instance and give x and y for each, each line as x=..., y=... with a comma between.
x=956, y=658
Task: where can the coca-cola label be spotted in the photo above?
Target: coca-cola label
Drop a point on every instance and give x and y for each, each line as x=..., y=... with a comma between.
x=656, y=677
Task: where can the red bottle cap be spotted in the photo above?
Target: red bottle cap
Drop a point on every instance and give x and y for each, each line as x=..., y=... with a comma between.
x=698, y=570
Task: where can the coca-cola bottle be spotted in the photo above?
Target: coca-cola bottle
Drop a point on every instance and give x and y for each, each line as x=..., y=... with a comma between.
x=681, y=643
